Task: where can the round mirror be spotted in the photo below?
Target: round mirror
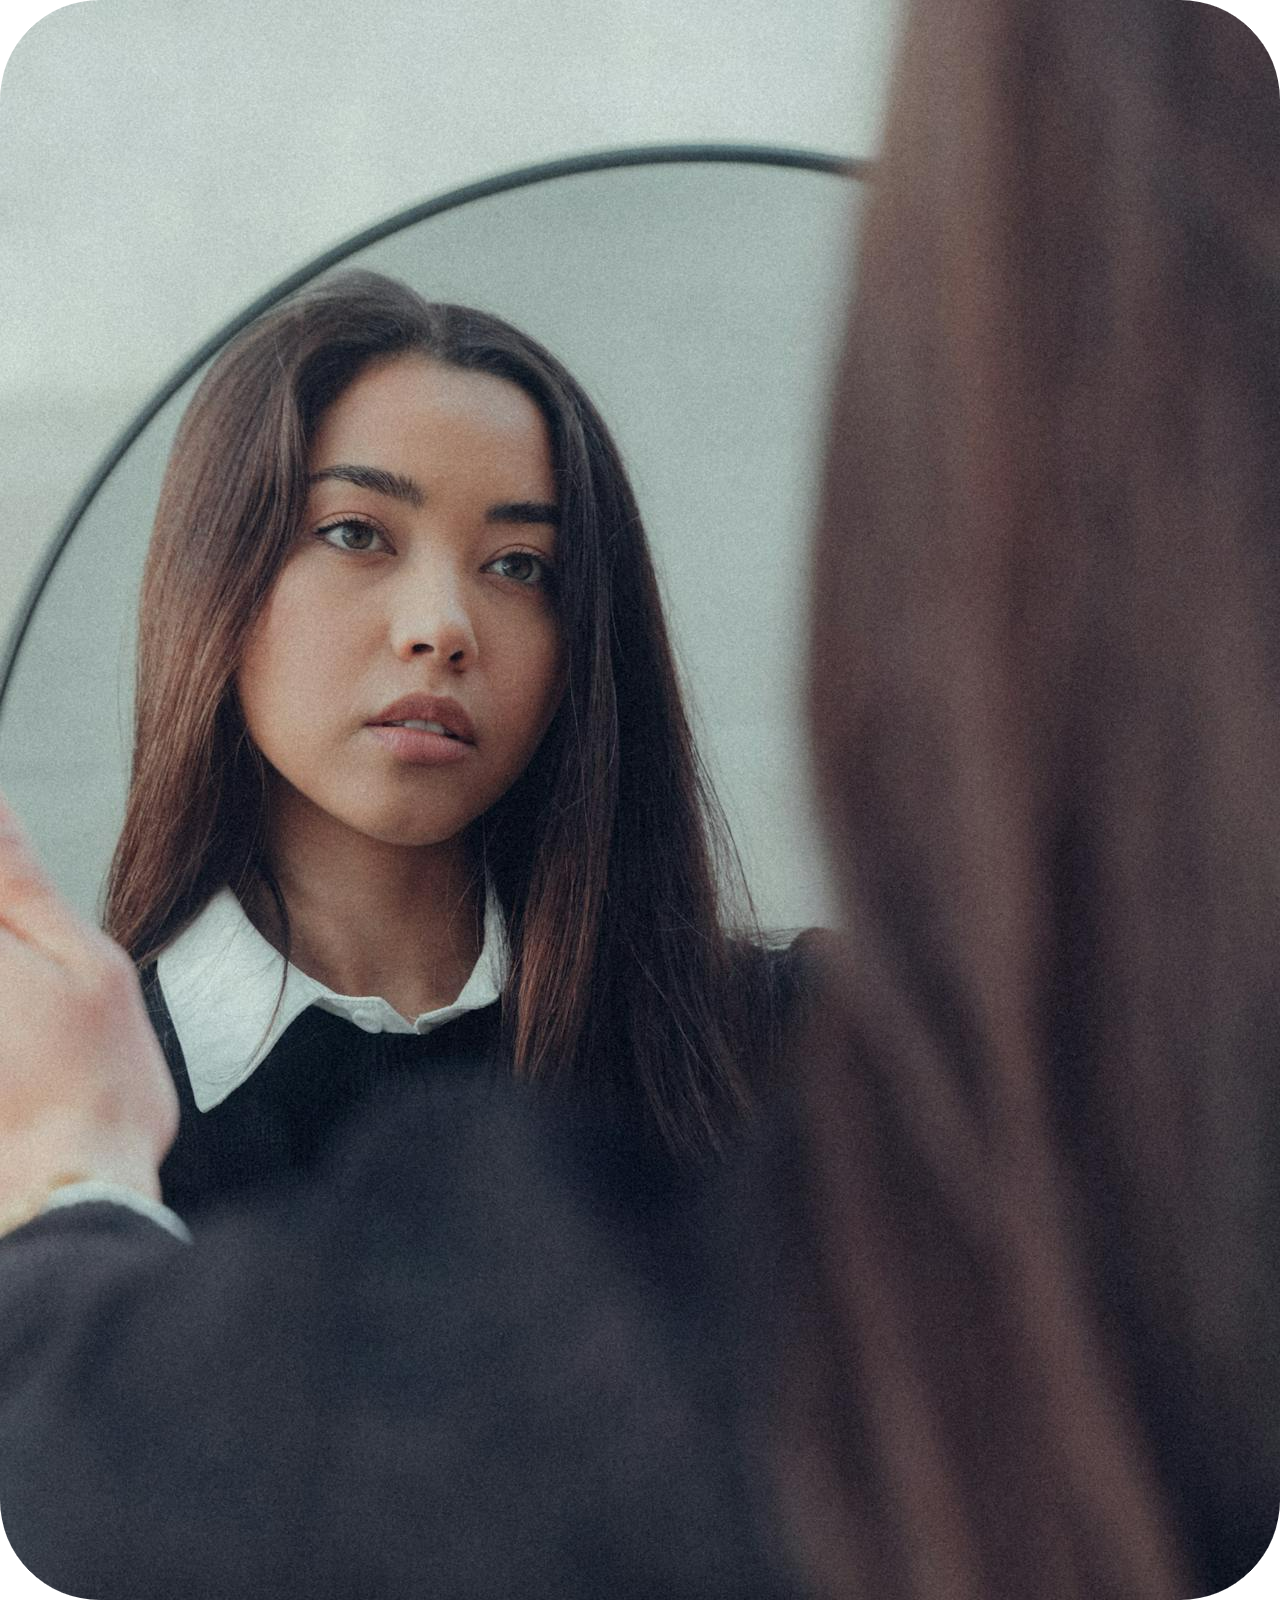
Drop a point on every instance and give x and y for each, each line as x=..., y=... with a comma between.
x=697, y=296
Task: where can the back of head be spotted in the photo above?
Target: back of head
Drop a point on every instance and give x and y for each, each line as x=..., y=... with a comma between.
x=1044, y=691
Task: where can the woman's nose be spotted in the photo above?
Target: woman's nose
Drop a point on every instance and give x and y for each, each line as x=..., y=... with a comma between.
x=432, y=620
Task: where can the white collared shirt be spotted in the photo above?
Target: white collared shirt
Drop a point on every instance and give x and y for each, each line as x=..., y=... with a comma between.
x=221, y=980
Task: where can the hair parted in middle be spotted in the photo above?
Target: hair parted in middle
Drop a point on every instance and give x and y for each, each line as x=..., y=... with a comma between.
x=610, y=852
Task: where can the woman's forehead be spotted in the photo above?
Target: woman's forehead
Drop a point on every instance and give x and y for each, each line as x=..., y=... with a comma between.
x=411, y=415
x=390, y=390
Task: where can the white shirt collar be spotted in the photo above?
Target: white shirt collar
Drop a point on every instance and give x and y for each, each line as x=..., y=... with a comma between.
x=220, y=980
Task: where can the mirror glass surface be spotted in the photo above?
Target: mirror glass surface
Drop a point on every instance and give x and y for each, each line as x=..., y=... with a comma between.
x=699, y=303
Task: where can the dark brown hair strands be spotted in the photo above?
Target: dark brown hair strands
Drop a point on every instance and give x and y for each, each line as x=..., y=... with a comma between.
x=1039, y=1136
x=609, y=855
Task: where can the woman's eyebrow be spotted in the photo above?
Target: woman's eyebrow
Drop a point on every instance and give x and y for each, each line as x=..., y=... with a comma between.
x=398, y=487
x=375, y=478
x=524, y=511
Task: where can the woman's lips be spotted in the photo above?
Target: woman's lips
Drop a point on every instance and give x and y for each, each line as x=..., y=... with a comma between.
x=416, y=747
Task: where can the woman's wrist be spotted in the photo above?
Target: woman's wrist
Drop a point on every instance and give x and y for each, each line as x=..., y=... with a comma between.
x=64, y=1147
x=18, y=1208
x=25, y=1198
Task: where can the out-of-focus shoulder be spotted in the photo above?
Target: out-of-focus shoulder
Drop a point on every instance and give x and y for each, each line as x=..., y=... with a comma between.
x=816, y=955
x=790, y=968
x=810, y=950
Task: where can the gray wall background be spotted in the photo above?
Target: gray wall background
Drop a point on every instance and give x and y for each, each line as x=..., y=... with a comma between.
x=163, y=162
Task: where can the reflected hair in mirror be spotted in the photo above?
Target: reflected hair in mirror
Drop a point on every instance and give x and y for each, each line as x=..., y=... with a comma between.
x=610, y=855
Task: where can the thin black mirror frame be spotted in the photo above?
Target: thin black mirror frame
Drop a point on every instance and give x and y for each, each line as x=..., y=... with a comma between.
x=500, y=183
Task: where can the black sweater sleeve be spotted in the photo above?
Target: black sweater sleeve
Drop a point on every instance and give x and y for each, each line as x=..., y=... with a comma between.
x=425, y=1370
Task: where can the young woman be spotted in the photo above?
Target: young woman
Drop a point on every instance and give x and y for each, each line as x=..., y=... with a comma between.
x=414, y=803
x=413, y=791
x=1032, y=1284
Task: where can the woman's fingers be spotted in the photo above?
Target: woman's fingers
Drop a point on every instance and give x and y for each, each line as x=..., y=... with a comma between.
x=84, y=1087
x=32, y=909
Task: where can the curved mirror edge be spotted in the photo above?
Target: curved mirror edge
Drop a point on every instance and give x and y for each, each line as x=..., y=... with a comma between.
x=698, y=304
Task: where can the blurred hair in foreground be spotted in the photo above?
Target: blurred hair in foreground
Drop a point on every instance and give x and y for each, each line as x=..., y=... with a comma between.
x=1039, y=1154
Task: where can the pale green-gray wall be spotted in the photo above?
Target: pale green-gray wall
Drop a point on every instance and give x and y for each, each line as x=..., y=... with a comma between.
x=161, y=163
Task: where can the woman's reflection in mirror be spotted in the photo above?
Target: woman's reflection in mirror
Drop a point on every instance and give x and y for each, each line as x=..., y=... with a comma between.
x=412, y=781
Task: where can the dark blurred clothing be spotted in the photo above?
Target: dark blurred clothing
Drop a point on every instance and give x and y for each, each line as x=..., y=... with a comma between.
x=438, y=1334
x=438, y=1364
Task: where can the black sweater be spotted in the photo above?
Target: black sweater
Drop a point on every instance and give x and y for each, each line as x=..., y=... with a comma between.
x=437, y=1335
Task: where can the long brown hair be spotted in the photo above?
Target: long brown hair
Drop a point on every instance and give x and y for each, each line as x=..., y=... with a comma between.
x=608, y=854
x=1040, y=1160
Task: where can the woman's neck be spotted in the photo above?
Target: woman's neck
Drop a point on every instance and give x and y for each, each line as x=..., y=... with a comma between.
x=370, y=918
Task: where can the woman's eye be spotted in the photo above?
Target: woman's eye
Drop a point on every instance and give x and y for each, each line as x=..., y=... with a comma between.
x=350, y=536
x=521, y=566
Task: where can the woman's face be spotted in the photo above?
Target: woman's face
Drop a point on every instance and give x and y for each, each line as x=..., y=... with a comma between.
x=418, y=592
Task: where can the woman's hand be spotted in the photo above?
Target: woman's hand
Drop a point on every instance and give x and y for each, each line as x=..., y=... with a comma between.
x=84, y=1089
